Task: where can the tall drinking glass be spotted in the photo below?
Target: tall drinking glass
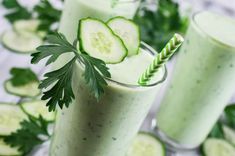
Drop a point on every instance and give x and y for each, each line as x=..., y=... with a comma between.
x=106, y=127
x=202, y=83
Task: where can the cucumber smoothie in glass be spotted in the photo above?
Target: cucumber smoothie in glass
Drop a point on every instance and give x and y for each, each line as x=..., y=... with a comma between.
x=106, y=127
x=203, y=80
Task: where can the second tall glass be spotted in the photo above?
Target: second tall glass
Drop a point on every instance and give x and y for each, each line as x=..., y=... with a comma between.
x=202, y=82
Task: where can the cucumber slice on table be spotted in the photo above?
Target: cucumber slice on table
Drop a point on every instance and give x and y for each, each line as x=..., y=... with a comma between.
x=128, y=31
x=22, y=26
x=28, y=90
x=229, y=134
x=16, y=42
x=218, y=147
x=6, y=150
x=10, y=117
x=145, y=144
x=99, y=41
x=36, y=108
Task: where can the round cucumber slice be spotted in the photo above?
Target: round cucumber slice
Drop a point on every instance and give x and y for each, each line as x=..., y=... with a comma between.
x=128, y=31
x=229, y=134
x=6, y=150
x=22, y=26
x=36, y=108
x=16, y=42
x=99, y=41
x=28, y=90
x=146, y=144
x=218, y=147
x=10, y=117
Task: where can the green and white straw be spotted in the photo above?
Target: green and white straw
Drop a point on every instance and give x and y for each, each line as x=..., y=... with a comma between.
x=161, y=59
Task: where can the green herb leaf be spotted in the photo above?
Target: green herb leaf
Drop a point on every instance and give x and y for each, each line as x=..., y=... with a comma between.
x=217, y=131
x=47, y=14
x=58, y=46
x=93, y=68
x=230, y=115
x=10, y=4
x=16, y=12
x=61, y=92
x=29, y=135
x=157, y=27
x=22, y=76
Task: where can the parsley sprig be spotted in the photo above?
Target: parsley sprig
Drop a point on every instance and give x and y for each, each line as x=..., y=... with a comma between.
x=59, y=81
x=22, y=76
x=47, y=14
x=44, y=11
x=229, y=120
x=16, y=11
x=158, y=26
x=33, y=132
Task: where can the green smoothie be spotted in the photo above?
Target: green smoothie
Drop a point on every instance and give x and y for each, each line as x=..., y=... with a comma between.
x=106, y=128
x=102, y=9
x=202, y=82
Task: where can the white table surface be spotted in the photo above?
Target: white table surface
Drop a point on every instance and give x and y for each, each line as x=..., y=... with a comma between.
x=9, y=59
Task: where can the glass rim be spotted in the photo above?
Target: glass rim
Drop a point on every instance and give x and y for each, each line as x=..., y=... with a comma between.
x=152, y=52
x=205, y=34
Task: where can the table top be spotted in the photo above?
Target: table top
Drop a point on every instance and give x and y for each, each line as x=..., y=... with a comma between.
x=9, y=59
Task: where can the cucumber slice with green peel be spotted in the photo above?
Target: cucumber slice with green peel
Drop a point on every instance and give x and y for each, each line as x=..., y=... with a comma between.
x=10, y=117
x=128, y=31
x=145, y=144
x=229, y=134
x=99, y=41
x=6, y=150
x=22, y=26
x=218, y=147
x=36, y=108
x=28, y=90
x=16, y=42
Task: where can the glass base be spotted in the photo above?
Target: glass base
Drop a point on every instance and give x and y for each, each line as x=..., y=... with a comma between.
x=172, y=146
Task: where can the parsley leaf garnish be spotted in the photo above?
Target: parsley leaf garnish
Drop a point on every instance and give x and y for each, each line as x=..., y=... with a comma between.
x=16, y=12
x=44, y=11
x=60, y=92
x=22, y=76
x=217, y=131
x=230, y=115
x=47, y=14
x=33, y=132
x=93, y=68
x=157, y=27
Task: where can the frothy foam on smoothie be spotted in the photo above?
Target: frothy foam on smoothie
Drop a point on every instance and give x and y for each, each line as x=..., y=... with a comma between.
x=218, y=27
x=129, y=71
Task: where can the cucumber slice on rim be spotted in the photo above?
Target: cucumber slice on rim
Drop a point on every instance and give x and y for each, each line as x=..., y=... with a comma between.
x=99, y=41
x=6, y=150
x=22, y=26
x=10, y=117
x=145, y=144
x=16, y=42
x=128, y=31
x=28, y=90
x=36, y=108
x=218, y=147
x=229, y=134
